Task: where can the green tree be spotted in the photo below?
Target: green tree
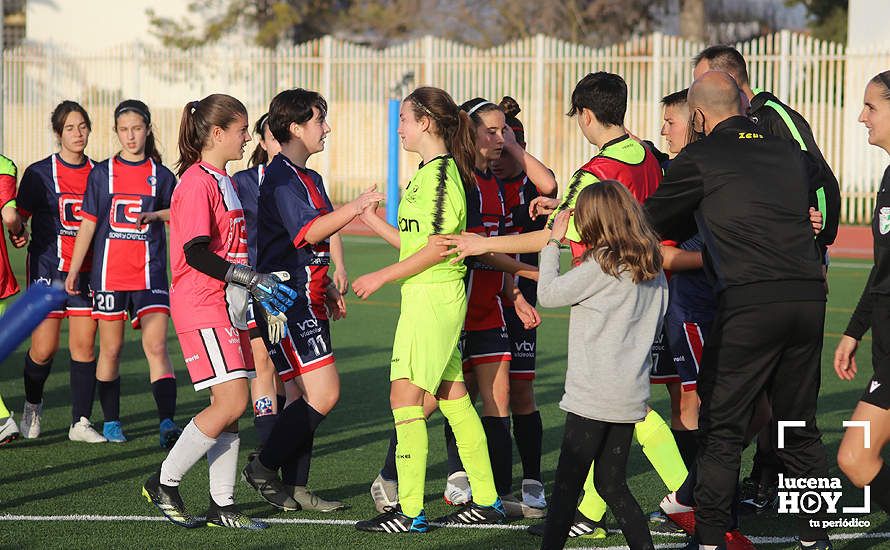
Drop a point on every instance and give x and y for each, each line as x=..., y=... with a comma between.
x=273, y=22
x=828, y=18
x=381, y=22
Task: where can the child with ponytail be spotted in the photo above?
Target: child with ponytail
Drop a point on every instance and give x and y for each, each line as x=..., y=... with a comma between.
x=426, y=361
x=212, y=285
x=126, y=203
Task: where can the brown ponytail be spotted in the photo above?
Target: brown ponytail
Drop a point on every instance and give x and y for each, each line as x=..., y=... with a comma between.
x=260, y=155
x=511, y=108
x=462, y=147
x=198, y=119
x=451, y=124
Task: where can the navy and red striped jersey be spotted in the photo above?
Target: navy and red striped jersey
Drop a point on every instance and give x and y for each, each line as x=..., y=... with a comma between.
x=518, y=192
x=291, y=199
x=124, y=257
x=247, y=184
x=51, y=192
x=486, y=215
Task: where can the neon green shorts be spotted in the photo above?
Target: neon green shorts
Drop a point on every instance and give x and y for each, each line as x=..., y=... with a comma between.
x=425, y=348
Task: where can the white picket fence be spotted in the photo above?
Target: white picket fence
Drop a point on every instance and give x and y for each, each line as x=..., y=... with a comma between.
x=818, y=78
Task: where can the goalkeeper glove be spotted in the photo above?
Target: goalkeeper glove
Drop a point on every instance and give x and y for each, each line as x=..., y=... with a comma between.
x=265, y=288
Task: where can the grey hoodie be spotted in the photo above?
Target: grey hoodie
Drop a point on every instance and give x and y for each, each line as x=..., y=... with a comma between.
x=612, y=326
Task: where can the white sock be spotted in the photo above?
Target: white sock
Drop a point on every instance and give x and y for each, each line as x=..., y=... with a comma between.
x=188, y=450
x=223, y=461
x=707, y=547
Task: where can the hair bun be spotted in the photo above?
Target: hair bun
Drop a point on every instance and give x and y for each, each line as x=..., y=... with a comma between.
x=510, y=106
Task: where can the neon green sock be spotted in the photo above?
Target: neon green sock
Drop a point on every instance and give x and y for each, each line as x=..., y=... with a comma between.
x=592, y=505
x=4, y=412
x=411, y=451
x=660, y=448
x=471, y=446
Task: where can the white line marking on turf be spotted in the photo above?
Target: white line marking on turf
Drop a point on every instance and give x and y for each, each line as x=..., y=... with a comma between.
x=351, y=522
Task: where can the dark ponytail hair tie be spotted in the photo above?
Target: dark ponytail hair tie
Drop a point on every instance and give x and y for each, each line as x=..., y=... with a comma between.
x=195, y=105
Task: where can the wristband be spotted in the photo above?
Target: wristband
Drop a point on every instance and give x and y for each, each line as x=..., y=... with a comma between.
x=240, y=274
x=556, y=242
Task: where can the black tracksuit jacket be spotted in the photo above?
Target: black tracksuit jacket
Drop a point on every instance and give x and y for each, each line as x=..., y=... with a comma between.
x=780, y=120
x=748, y=194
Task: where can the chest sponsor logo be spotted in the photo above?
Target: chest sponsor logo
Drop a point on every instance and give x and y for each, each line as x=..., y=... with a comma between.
x=884, y=220
x=409, y=225
x=124, y=214
x=750, y=135
x=70, y=207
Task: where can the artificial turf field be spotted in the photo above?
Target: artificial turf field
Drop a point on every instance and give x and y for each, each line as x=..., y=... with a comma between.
x=97, y=487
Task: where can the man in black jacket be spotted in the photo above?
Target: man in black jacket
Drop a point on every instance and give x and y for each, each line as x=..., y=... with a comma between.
x=759, y=490
x=747, y=193
x=780, y=120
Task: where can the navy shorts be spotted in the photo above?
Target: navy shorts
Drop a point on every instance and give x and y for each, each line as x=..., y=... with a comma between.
x=44, y=270
x=686, y=339
x=306, y=347
x=117, y=305
x=523, y=346
x=481, y=347
x=663, y=370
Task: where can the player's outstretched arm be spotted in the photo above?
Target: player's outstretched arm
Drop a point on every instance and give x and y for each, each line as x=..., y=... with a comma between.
x=378, y=225
x=325, y=226
x=509, y=264
x=81, y=246
x=423, y=259
x=677, y=259
x=470, y=244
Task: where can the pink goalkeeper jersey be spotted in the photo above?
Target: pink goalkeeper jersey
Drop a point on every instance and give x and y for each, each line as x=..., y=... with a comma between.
x=205, y=205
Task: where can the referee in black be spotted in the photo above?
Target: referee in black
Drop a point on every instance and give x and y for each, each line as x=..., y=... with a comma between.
x=748, y=194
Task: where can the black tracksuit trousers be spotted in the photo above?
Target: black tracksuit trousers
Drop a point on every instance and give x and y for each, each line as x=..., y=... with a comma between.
x=772, y=347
